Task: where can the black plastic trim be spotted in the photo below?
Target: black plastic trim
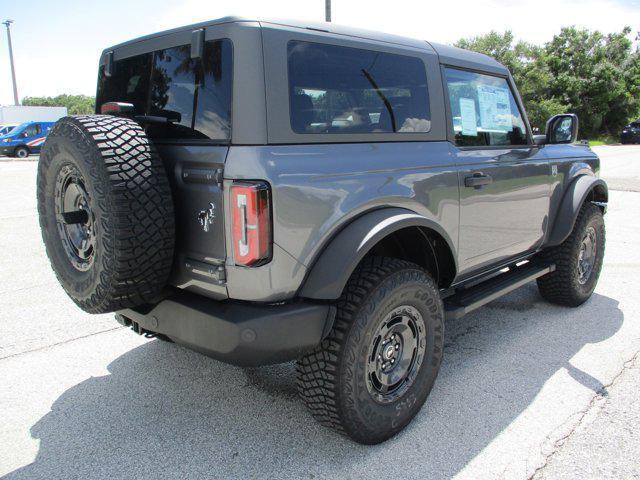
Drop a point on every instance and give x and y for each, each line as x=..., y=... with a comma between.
x=342, y=254
x=466, y=300
x=238, y=333
x=572, y=202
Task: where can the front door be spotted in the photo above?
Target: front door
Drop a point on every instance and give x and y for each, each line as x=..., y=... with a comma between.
x=504, y=180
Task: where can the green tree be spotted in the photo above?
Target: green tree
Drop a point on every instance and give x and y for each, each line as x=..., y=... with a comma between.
x=530, y=72
x=502, y=47
x=594, y=75
x=76, y=104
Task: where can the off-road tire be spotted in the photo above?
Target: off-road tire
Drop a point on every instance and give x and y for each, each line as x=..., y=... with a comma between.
x=332, y=378
x=562, y=286
x=130, y=204
x=21, y=152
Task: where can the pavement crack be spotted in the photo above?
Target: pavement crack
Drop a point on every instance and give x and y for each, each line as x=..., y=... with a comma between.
x=30, y=287
x=60, y=343
x=601, y=394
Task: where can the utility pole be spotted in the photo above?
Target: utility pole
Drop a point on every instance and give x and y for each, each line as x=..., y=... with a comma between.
x=327, y=10
x=8, y=23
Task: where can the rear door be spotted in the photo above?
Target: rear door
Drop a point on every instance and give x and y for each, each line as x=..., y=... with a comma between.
x=504, y=179
x=184, y=104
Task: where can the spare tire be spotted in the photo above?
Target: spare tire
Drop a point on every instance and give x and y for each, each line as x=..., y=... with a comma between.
x=106, y=212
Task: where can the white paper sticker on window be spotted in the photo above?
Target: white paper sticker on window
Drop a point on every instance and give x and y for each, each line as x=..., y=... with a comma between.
x=495, y=108
x=468, y=117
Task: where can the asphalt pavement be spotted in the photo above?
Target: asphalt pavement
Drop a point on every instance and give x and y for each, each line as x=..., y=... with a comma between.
x=526, y=390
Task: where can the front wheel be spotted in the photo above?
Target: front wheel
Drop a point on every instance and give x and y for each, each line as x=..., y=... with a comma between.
x=371, y=375
x=578, y=261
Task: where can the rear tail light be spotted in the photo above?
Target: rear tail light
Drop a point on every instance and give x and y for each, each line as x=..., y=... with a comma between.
x=251, y=218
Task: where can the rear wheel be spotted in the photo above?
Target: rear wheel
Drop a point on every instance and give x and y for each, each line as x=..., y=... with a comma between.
x=371, y=375
x=21, y=152
x=578, y=261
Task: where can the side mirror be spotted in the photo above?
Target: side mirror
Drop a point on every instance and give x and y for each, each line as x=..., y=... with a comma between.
x=562, y=128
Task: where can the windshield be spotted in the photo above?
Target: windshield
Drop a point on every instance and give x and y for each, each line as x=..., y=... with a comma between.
x=14, y=129
x=6, y=129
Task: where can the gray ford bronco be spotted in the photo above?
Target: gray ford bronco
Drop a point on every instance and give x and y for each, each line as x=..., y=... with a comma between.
x=263, y=192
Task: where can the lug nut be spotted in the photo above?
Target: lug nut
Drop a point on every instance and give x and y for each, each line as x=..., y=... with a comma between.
x=397, y=347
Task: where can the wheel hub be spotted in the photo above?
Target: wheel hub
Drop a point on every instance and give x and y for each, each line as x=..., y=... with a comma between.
x=396, y=354
x=74, y=218
x=587, y=255
x=389, y=352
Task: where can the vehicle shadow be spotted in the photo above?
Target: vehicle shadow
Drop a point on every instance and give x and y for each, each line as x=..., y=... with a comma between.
x=165, y=412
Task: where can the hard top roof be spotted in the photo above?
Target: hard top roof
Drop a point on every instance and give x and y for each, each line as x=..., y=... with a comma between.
x=447, y=53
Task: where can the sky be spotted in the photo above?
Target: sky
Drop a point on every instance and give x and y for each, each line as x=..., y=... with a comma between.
x=57, y=43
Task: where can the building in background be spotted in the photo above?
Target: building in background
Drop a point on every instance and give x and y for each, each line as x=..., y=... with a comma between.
x=15, y=115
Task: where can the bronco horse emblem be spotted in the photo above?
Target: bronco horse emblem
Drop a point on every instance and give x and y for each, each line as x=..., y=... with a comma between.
x=206, y=217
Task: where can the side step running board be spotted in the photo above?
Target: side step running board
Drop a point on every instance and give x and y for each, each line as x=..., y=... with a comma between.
x=468, y=299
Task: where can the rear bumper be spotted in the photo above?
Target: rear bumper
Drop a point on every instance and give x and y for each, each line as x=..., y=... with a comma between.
x=238, y=333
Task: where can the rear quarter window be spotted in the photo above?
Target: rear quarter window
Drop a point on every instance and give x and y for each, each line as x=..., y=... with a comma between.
x=335, y=89
x=193, y=95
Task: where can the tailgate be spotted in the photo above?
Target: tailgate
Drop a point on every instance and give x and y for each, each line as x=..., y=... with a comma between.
x=195, y=173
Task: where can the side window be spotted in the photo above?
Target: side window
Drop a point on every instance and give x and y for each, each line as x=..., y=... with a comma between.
x=31, y=131
x=335, y=89
x=483, y=110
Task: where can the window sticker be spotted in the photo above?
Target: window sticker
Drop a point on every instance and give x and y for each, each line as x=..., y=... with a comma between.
x=468, y=117
x=495, y=108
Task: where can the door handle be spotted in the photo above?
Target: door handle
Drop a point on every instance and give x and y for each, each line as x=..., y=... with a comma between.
x=477, y=180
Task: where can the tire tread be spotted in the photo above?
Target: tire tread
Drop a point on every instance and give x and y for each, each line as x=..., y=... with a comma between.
x=558, y=287
x=132, y=183
x=318, y=371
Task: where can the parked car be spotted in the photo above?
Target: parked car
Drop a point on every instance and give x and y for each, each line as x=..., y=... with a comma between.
x=631, y=133
x=265, y=192
x=25, y=139
x=4, y=129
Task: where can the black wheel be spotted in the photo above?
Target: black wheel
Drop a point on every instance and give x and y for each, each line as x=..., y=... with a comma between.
x=106, y=212
x=21, y=152
x=578, y=261
x=371, y=375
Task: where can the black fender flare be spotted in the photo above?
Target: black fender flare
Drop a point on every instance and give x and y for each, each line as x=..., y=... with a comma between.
x=575, y=195
x=340, y=257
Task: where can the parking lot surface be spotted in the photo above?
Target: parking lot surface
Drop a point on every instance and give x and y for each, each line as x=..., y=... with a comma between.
x=526, y=389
